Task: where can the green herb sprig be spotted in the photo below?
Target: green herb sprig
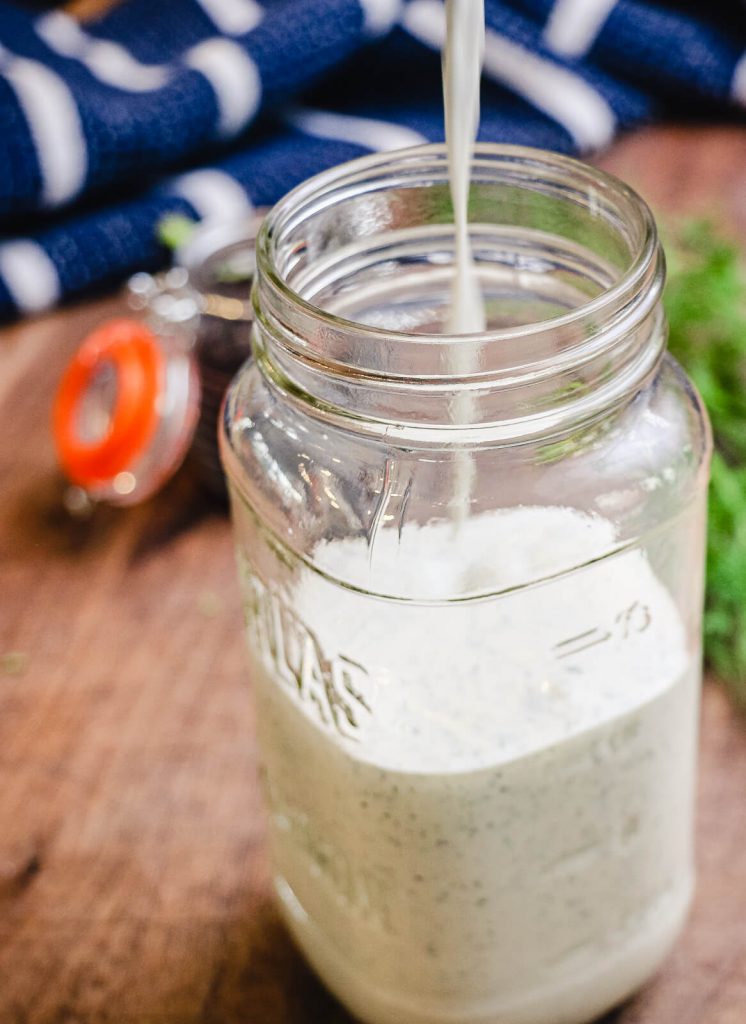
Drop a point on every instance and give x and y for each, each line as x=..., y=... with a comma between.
x=705, y=302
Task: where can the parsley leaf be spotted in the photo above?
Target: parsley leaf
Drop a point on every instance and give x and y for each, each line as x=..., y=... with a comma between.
x=705, y=302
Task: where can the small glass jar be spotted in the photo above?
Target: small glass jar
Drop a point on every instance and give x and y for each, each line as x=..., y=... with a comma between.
x=140, y=393
x=472, y=579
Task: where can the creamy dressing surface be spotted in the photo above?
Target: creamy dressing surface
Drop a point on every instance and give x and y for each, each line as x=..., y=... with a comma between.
x=480, y=811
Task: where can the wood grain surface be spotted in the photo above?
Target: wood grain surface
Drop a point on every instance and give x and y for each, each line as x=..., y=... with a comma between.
x=133, y=879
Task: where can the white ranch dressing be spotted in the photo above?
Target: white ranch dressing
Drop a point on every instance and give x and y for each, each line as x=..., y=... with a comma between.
x=462, y=70
x=505, y=833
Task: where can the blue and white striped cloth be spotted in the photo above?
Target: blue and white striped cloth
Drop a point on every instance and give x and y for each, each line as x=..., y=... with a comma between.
x=209, y=107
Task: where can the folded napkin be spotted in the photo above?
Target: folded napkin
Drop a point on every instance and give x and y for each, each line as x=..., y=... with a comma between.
x=207, y=108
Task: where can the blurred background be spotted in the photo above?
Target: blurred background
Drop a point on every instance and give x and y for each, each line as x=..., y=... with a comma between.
x=146, y=137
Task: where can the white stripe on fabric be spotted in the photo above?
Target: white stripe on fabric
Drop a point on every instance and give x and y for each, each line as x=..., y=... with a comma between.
x=738, y=82
x=109, y=62
x=363, y=131
x=54, y=123
x=214, y=195
x=29, y=275
x=380, y=15
x=234, y=78
x=563, y=95
x=234, y=17
x=574, y=25
x=426, y=21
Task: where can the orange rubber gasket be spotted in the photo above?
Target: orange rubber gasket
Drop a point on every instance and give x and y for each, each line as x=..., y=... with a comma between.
x=139, y=364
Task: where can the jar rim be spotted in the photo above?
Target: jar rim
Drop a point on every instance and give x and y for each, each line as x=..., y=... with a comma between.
x=538, y=377
x=641, y=261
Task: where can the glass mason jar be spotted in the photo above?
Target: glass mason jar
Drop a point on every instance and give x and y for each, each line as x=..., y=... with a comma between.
x=472, y=578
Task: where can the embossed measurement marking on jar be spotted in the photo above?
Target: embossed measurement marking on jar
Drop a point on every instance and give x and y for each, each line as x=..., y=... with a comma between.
x=334, y=687
x=635, y=618
x=360, y=889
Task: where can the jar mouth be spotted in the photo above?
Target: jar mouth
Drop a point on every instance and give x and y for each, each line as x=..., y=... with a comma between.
x=520, y=164
x=354, y=273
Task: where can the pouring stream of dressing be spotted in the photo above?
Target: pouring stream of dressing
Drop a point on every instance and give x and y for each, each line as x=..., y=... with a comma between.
x=462, y=69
